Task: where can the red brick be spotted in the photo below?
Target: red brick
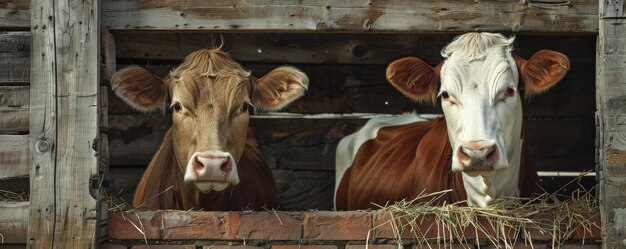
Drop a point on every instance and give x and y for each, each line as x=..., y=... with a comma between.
x=384, y=224
x=199, y=225
x=337, y=225
x=112, y=246
x=164, y=247
x=230, y=247
x=573, y=246
x=442, y=245
x=371, y=247
x=520, y=245
x=304, y=247
x=269, y=226
x=128, y=225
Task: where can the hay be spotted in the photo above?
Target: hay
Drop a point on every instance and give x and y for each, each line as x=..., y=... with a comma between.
x=507, y=222
x=6, y=195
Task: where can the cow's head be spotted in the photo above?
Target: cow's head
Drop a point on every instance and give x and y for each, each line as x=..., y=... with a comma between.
x=479, y=84
x=211, y=97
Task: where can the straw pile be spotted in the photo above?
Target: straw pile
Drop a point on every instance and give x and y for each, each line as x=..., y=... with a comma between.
x=507, y=222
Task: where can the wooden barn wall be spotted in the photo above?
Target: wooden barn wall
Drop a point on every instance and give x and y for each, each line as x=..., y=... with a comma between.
x=14, y=138
x=347, y=76
x=575, y=16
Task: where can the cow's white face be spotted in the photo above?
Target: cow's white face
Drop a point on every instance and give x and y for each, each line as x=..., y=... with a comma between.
x=479, y=85
x=483, y=110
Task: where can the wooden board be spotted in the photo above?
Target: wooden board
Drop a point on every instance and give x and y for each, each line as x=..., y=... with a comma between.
x=14, y=153
x=354, y=16
x=320, y=48
x=13, y=222
x=14, y=57
x=15, y=14
x=611, y=92
x=360, y=16
x=14, y=107
x=64, y=123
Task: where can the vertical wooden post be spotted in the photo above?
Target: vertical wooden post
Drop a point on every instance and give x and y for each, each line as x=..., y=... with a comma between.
x=64, y=123
x=611, y=118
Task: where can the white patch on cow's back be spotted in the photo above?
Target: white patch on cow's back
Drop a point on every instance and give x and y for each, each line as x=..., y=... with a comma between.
x=349, y=146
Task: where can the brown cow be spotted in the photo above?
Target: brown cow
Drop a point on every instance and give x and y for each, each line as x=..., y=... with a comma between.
x=209, y=159
x=477, y=151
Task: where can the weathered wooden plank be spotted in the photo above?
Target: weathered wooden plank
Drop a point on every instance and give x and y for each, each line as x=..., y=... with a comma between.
x=133, y=139
x=42, y=127
x=611, y=57
x=14, y=57
x=390, y=16
x=107, y=56
x=329, y=48
x=14, y=103
x=15, y=14
x=13, y=222
x=315, y=15
x=78, y=78
x=14, y=153
x=64, y=127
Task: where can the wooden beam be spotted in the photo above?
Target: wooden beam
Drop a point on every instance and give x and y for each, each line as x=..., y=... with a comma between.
x=15, y=14
x=64, y=128
x=15, y=59
x=611, y=119
x=352, y=16
x=14, y=152
x=14, y=103
x=13, y=222
x=359, y=16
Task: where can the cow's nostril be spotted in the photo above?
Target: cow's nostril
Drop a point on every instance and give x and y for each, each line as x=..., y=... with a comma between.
x=226, y=166
x=197, y=165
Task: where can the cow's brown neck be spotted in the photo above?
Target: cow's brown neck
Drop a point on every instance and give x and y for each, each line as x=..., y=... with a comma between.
x=162, y=185
x=417, y=157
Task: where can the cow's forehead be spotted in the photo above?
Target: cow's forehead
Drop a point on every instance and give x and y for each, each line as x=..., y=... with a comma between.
x=217, y=89
x=461, y=70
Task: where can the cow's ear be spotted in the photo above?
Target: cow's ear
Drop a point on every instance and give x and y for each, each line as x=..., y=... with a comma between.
x=140, y=89
x=542, y=71
x=414, y=78
x=279, y=87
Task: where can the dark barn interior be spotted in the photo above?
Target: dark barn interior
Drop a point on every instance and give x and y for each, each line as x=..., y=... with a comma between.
x=347, y=76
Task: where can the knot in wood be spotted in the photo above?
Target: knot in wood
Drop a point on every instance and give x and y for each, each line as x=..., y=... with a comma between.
x=42, y=145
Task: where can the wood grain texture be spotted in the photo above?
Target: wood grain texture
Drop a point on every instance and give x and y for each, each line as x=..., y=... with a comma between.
x=107, y=56
x=315, y=15
x=14, y=57
x=611, y=104
x=14, y=108
x=64, y=127
x=360, y=16
x=15, y=14
x=42, y=127
x=14, y=156
x=13, y=222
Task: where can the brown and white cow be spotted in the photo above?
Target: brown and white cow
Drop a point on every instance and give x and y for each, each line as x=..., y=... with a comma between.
x=477, y=150
x=209, y=158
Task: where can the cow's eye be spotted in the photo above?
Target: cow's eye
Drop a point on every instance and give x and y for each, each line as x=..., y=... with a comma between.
x=444, y=95
x=509, y=92
x=247, y=107
x=177, y=107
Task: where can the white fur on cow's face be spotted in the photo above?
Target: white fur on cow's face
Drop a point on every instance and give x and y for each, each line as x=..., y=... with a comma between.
x=479, y=109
